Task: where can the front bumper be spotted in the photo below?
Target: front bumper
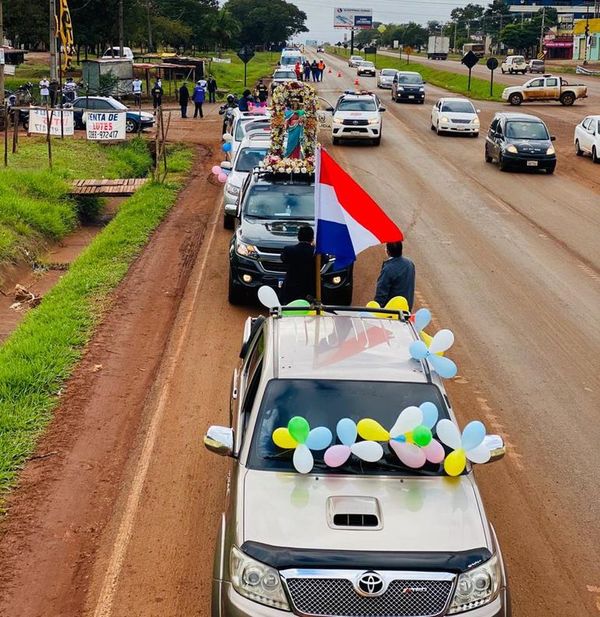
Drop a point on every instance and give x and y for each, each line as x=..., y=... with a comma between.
x=524, y=161
x=385, y=84
x=226, y=602
x=410, y=95
x=249, y=274
x=363, y=73
x=452, y=127
x=345, y=131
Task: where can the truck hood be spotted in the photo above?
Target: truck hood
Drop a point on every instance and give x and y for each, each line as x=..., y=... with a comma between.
x=356, y=115
x=424, y=514
x=270, y=232
x=508, y=91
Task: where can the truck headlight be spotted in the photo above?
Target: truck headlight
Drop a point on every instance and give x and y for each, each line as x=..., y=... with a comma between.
x=551, y=150
x=476, y=121
x=374, y=121
x=232, y=190
x=444, y=119
x=477, y=587
x=512, y=149
x=245, y=250
x=337, y=121
x=421, y=89
x=256, y=581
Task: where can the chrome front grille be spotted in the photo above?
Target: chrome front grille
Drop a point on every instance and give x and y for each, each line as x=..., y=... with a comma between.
x=458, y=121
x=337, y=595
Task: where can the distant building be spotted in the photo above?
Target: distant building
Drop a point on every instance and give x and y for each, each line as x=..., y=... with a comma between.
x=575, y=9
x=592, y=49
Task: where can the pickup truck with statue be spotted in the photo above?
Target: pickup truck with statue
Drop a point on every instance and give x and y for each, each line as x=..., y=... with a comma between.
x=545, y=88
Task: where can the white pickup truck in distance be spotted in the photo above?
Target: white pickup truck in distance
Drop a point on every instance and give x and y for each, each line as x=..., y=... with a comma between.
x=546, y=88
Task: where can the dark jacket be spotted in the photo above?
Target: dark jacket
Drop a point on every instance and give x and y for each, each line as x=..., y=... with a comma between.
x=157, y=91
x=212, y=84
x=184, y=95
x=299, y=261
x=243, y=103
x=199, y=95
x=397, y=278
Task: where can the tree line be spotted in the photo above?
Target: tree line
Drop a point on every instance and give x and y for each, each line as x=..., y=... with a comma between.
x=152, y=24
x=510, y=29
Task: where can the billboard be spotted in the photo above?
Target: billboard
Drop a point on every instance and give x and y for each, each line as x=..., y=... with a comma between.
x=105, y=125
x=359, y=19
x=39, y=118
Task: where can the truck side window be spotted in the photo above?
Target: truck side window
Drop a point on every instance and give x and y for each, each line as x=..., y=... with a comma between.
x=552, y=82
x=536, y=83
x=493, y=127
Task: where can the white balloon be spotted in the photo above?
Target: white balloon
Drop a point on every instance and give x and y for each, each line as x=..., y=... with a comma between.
x=409, y=454
x=303, y=459
x=369, y=451
x=444, y=339
x=480, y=454
x=449, y=434
x=408, y=419
x=267, y=297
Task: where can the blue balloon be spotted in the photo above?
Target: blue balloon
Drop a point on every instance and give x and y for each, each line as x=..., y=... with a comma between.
x=444, y=367
x=400, y=438
x=226, y=147
x=473, y=435
x=430, y=414
x=422, y=319
x=319, y=438
x=418, y=350
x=346, y=431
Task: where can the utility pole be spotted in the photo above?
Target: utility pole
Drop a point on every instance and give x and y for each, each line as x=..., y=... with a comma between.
x=587, y=33
x=542, y=30
x=121, y=28
x=455, y=28
x=2, y=63
x=53, y=65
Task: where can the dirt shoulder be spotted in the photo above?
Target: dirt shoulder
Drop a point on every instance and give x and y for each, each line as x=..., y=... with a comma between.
x=66, y=493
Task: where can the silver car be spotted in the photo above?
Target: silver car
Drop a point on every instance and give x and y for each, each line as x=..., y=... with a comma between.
x=363, y=538
x=385, y=78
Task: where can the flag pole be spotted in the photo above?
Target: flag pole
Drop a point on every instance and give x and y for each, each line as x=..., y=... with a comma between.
x=317, y=207
x=318, y=277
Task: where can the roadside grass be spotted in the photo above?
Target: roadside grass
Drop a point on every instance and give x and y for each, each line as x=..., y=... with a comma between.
x=34, y=203
x=42, y=352
x=230, y=77
x=453, y=82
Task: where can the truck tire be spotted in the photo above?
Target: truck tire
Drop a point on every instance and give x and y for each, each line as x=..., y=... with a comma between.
x=515, y=98
x=567, y=98
x=235, y=295
x=578, y=150
x=335, y=140
x=228, y=221
x=377, y=141
x=502, y=166
x=595, y=156
x=503, y=71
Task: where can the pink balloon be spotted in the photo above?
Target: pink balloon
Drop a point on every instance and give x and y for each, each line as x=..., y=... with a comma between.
x=222, y=177
x=335, y=456
x=410, y=455
x=434, y=451
x=216, y=170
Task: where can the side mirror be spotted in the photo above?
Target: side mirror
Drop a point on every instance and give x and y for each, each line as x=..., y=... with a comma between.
x=552, y=137
x=496, y=445
x=478, y=111
x=231, y=210
x=219, y=439
x=329, y=109
x=424, y=82
x=382, y=109
x=226, y=165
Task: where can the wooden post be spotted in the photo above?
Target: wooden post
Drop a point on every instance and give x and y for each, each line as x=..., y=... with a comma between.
x=164, y=146
x=156, y=147
x=16, y=114
x=6, y=121
x=49, y=114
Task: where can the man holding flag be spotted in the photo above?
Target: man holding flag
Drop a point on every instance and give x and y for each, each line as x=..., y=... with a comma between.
x=348, y=220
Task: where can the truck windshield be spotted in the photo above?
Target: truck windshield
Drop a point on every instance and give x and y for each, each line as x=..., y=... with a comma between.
x=323, y=402
x=249, y=158
x=526, y=130
x=281, y=201
x=357, y=105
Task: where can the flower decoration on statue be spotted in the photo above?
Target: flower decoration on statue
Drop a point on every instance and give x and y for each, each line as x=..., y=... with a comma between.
x=442, y=341
x=293, y=116
x=299, y=437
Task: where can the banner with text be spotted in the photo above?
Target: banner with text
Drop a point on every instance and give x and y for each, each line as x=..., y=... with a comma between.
x=105, y=125
x=353, y=19
x=38, y=121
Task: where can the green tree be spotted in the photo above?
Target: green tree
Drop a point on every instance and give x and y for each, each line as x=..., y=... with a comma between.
x=224, y=28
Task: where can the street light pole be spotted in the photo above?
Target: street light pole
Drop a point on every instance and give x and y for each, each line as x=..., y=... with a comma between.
x=53, y=65
x=2, y=64
x=587, y=33
x=542, y=30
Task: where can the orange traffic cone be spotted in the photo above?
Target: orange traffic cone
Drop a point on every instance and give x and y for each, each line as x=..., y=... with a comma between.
x=339, y=74
x=329, y=71
x=356, y=82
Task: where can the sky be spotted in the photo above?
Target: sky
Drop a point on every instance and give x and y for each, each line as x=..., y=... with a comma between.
x=320, y=13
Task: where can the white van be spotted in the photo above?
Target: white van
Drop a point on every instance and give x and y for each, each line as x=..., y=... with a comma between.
x=115, y=52
x=514, y=64
x=289, y=57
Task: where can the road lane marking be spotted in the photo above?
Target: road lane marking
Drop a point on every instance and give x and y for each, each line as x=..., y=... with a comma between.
x=110, y=583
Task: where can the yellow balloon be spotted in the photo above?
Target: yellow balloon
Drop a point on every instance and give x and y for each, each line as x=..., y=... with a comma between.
x=373, y=304
x=398, y=303
x=283, y=439
x=371, y=430
x=427, y=340
x=409, y=437
x=455, y=462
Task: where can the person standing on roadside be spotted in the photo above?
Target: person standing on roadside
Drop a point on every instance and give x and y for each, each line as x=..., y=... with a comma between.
x=69, y=90
x=306, y=67
x=54, y=86
x=321, y=68
x=157, y=93
x=198, y=98
x=262, y=93
x=136, y=88
x=314, y=69
x=397, y=277
x=44, y=91
x=211, y=86
x=300, y=268
x=298, y=71
x=184, y=97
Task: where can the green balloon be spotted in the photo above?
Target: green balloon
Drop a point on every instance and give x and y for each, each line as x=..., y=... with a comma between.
x=302, y=303
x=299, y=429
x=422, y=436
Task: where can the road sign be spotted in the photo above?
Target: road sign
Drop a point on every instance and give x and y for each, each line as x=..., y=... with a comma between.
x=470, y=60
x=381, y=28
x=245, y=54
x=541, y=55
x=370, y=50
x=492, y=64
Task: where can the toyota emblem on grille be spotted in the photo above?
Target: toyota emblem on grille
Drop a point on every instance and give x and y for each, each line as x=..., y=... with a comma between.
x=370, y=584
x=354, y=121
